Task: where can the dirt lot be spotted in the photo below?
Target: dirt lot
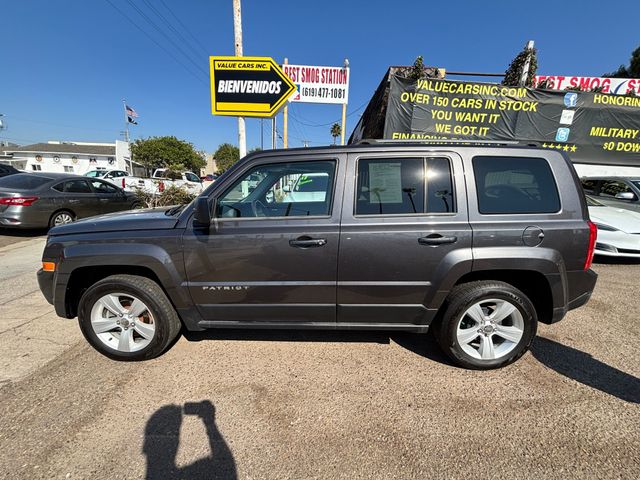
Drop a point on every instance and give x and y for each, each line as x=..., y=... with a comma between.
x=230, y=404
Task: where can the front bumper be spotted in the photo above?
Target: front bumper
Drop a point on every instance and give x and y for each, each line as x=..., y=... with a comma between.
x=46, y=282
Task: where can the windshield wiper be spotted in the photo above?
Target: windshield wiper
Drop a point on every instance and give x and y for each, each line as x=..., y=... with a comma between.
x=176, y=209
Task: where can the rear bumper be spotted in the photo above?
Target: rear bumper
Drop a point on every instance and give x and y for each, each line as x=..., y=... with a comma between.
x=580, y=287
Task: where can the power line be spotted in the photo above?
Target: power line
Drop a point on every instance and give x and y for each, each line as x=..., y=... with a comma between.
x=188, y=44
x=316, y=125
x=188, y=30
x=167, y=37
x=156, y=43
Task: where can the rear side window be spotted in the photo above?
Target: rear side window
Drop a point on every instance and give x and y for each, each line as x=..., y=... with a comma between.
x=77, y=186
x=404, y=186
x=512, y=185
x=23, y=181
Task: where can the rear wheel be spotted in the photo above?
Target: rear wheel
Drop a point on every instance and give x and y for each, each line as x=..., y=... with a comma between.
x=486, y=325
x=61, y=218
x=127, y=317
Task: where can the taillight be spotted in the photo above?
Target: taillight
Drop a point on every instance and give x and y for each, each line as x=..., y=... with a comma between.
x=123, y=183
x=593, y=235
x=18, y=201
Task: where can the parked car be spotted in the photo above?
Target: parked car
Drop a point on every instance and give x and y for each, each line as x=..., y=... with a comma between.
x=311, y=187
x=618, y=230
x=474, y=240
x=619, y=192
x=40, y=200
x=7, y=170
x=156, y=184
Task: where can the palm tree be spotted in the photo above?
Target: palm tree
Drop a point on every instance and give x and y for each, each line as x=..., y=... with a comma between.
x=335, y=131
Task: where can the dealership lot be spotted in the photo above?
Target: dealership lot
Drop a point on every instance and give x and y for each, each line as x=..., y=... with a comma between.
x=234, y=404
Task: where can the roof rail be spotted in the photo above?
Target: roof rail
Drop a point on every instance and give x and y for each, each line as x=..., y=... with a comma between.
x=373, y=141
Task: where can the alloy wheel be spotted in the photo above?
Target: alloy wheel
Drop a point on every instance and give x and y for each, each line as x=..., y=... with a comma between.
x=122, y=322
x=490, y=329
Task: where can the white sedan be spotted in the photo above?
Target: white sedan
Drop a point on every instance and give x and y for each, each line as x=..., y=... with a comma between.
x=618, y=230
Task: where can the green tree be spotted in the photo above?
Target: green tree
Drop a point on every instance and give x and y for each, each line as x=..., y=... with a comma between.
x=335, y=131
x=417, y=71
x=167, y=152
x=632, y=71
x=226, y=155
x=513, y=74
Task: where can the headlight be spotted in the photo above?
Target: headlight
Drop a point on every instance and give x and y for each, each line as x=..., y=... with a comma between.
x=606, y=228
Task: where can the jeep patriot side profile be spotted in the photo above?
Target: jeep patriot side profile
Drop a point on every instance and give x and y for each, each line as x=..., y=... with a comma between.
x=479, y=241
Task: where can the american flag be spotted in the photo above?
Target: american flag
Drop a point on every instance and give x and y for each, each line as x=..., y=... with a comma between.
x=130, y=111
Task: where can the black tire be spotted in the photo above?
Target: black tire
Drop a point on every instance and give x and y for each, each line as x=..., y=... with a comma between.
x=52, y=220
x=463, y=297
x=166, y=321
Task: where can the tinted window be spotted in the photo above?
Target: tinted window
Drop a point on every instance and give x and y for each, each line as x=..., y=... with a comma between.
x=515, y=185
x=590, y=186
x=23, y=181
x=191, y=177
x=77, y=186
x=59, y=187
x=269, y=191
x=95, y=173
x=312, y=183
x=390, y=186
x=439, y=186
x=103, y=187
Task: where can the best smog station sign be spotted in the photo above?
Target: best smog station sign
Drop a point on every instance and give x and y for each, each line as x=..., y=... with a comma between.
x=248, y=86
x=592, y=127
x=319, y=84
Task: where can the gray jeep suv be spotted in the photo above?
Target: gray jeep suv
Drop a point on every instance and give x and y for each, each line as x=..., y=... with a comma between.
x=478, y=241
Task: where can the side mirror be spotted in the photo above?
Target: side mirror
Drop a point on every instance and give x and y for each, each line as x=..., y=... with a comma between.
x=625, y=196
x=286, y=189
x=202, y=212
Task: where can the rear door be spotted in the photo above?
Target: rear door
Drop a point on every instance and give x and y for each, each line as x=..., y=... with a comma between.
x=266, y=258
x=404, y=228
x=78, y=197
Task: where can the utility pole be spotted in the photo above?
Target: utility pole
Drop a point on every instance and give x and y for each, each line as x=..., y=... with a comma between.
x=237, y=32
x=344, y=111
x=273, y=133
x=527, y=64
x=285, y=120
x=126, y=121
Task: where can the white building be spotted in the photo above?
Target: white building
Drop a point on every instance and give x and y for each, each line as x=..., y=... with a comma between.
x=70, y=157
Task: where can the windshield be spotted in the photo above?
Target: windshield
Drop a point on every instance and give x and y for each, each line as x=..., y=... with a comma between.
x=312, y=183
x=591, y=202
x=636, y=183
x=23, y=181
x=96, y=173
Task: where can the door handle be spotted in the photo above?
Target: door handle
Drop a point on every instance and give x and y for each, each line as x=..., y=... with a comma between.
x=436, y=239
x=104, y=199
x=74, y=201
x=308, y=242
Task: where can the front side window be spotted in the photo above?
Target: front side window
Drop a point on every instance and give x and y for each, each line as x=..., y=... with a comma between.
x=404, y=186
x=512, y=185
x=296, y=189
x=611, y=188
x=191, y=177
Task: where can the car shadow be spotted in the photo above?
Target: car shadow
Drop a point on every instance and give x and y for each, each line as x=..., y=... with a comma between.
x=420, y=344
x=162, y=440
x=23, y=233
x=583, y=368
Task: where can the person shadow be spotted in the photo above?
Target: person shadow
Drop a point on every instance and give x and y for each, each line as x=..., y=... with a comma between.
x=162, y=439
x=582, y=367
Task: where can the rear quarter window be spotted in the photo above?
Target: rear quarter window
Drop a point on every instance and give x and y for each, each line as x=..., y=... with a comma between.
x=23, y=181
x=515, y=185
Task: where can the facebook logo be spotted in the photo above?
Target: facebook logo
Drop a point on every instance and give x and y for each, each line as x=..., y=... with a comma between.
x=562, y=135
x=571, y=99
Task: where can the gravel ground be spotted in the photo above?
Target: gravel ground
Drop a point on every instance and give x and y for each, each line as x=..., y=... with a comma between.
x=239, y=404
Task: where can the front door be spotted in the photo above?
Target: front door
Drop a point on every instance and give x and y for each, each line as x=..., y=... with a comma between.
x=270, y=255
x=405, y=224
x=111, y=199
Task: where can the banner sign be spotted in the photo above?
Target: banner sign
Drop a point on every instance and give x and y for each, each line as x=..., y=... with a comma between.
x=591, y=127
x=248, y=86
x=619, y=86
x=319, y=84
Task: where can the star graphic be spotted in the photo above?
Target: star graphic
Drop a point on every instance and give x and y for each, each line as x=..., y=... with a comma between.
x=573, y=148
x=566, y=148
x=544, y=145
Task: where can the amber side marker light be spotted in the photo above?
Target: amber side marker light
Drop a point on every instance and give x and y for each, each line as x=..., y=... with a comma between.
x=49, y=266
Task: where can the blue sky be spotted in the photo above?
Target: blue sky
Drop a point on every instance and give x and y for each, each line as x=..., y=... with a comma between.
x=67, y=64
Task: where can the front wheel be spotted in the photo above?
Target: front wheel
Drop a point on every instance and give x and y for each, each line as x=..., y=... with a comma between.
x=126, y=317
x=486, y=324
